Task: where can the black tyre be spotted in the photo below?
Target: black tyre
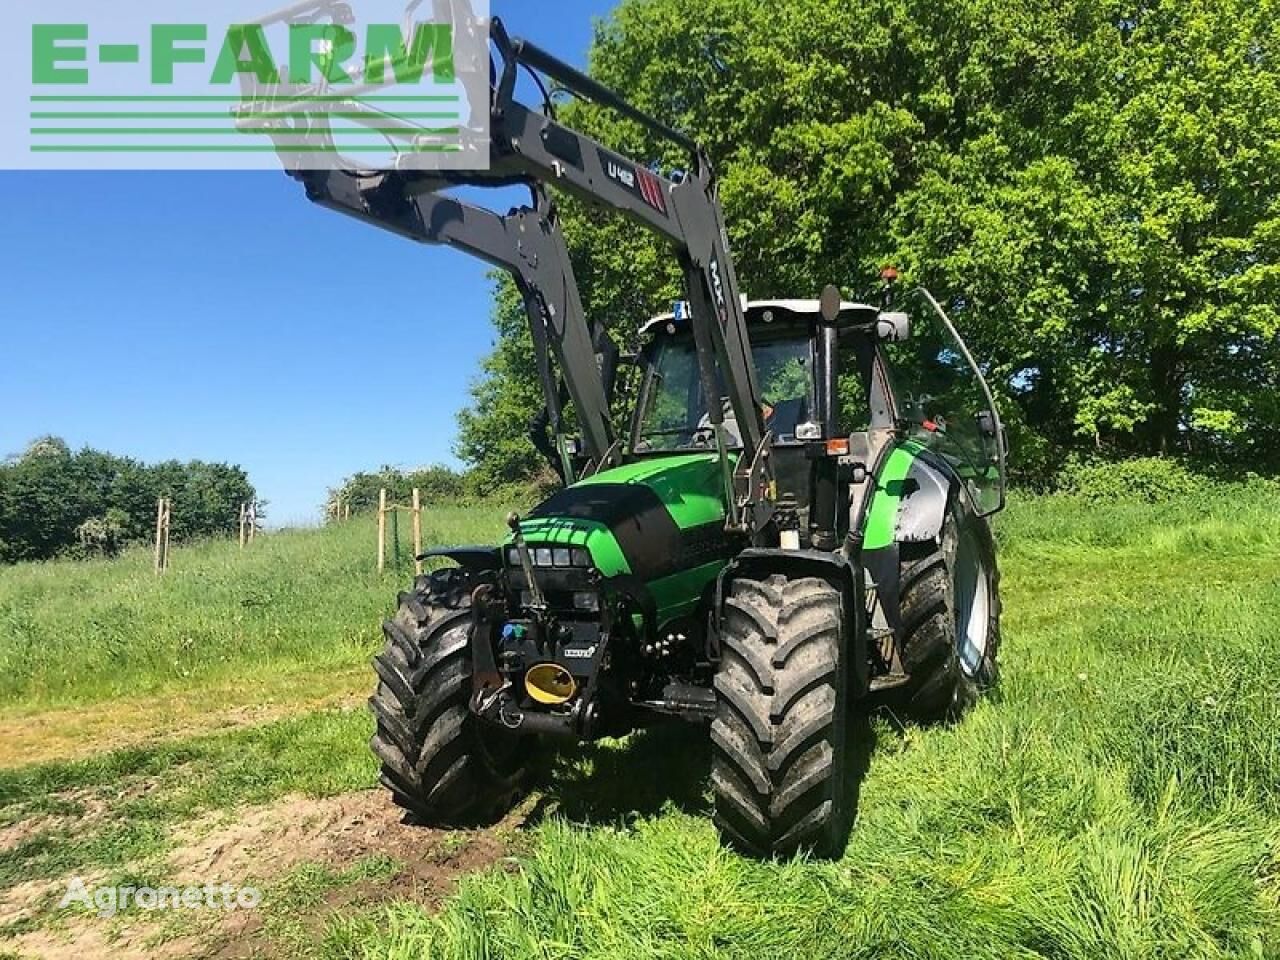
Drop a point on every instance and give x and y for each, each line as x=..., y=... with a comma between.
x=778, y=767
x=440, y=762
x=951, y=620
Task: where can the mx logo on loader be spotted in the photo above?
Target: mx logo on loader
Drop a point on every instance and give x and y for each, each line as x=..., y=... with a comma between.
x=717, y=290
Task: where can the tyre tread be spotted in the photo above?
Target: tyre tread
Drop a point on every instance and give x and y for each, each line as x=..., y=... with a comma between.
x=428, y=743
x=776, y=750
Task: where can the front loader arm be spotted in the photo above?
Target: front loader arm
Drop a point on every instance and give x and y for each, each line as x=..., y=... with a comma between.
x=527, y=243
x=534, y=149
x=685, y=210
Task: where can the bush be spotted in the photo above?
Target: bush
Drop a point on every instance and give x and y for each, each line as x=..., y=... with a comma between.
x=103, y=536
x=1143, y=479
x=359, y=492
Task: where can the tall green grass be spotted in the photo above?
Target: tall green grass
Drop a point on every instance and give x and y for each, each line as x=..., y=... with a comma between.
x=1118, y=796
x=296, y=600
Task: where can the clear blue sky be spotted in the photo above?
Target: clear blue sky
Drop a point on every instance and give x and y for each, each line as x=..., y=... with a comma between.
x=222, y=317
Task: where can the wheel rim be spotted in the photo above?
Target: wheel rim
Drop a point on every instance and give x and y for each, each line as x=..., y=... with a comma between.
x=972, y=605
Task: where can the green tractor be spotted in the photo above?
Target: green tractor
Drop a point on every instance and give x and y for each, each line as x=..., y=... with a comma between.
x=790, y=529
x=623, y=599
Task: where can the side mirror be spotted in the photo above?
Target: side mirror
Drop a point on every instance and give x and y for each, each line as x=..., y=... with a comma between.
x=894, y=327
x=995, y=440
x=986, y=424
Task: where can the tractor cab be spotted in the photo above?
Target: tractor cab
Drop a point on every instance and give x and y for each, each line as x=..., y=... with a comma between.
x=836, y=394
x=673, y=415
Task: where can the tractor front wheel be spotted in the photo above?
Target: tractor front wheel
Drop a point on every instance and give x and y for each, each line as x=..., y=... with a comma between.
x=778, y=738
x=440, y=762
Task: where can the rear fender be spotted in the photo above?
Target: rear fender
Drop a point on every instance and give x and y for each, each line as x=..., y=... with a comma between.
x=836, y=569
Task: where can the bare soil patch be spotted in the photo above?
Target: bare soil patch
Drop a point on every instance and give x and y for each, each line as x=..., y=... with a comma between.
x=266, y=841
x=255, y=846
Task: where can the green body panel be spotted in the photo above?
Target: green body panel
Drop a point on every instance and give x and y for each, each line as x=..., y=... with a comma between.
x=678, y=594
x=687, y=484
x=576, y=532
x=689, y=487
x=882, y=514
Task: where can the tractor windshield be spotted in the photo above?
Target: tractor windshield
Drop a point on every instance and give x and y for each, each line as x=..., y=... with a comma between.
x=675, y=412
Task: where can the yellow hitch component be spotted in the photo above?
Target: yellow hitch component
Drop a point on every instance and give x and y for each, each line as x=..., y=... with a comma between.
x=550, y=683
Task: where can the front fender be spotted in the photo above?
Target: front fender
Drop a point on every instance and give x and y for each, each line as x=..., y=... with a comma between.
x=913, y=491
x=473, y=559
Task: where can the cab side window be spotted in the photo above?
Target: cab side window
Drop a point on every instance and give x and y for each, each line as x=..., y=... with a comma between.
x=853, y=408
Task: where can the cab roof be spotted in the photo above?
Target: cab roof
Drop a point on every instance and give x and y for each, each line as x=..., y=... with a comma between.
x=766, y=311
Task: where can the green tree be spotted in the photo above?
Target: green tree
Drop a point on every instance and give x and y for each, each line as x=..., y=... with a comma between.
x=53, y=500
x=1093, y=188
x=435, y=484
x=493, y=431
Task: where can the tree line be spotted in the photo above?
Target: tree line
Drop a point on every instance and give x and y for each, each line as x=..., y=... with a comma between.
x=359, y=492
x=436, y=483
x=55, y=501
x=1092, y=189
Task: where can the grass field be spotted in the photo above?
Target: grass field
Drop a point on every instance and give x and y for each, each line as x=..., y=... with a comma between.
x=1119, y=795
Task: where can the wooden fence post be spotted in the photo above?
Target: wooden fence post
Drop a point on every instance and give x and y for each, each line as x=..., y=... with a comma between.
x=417, y=532
x=248, y=523
x=164, y=508
x=159, y=527
x=382, y=530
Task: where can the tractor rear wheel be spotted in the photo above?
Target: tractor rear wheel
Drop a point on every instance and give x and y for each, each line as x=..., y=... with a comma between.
x=778, y=738
x=950, y=597
x=440, y=762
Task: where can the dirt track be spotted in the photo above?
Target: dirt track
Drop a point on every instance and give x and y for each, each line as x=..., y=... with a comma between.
x=256, y=846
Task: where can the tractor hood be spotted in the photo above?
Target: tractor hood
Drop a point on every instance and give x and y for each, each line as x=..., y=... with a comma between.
x=651, y=518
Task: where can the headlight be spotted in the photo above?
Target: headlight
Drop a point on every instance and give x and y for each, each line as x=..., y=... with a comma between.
x=552, y=557
x=809, y=431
